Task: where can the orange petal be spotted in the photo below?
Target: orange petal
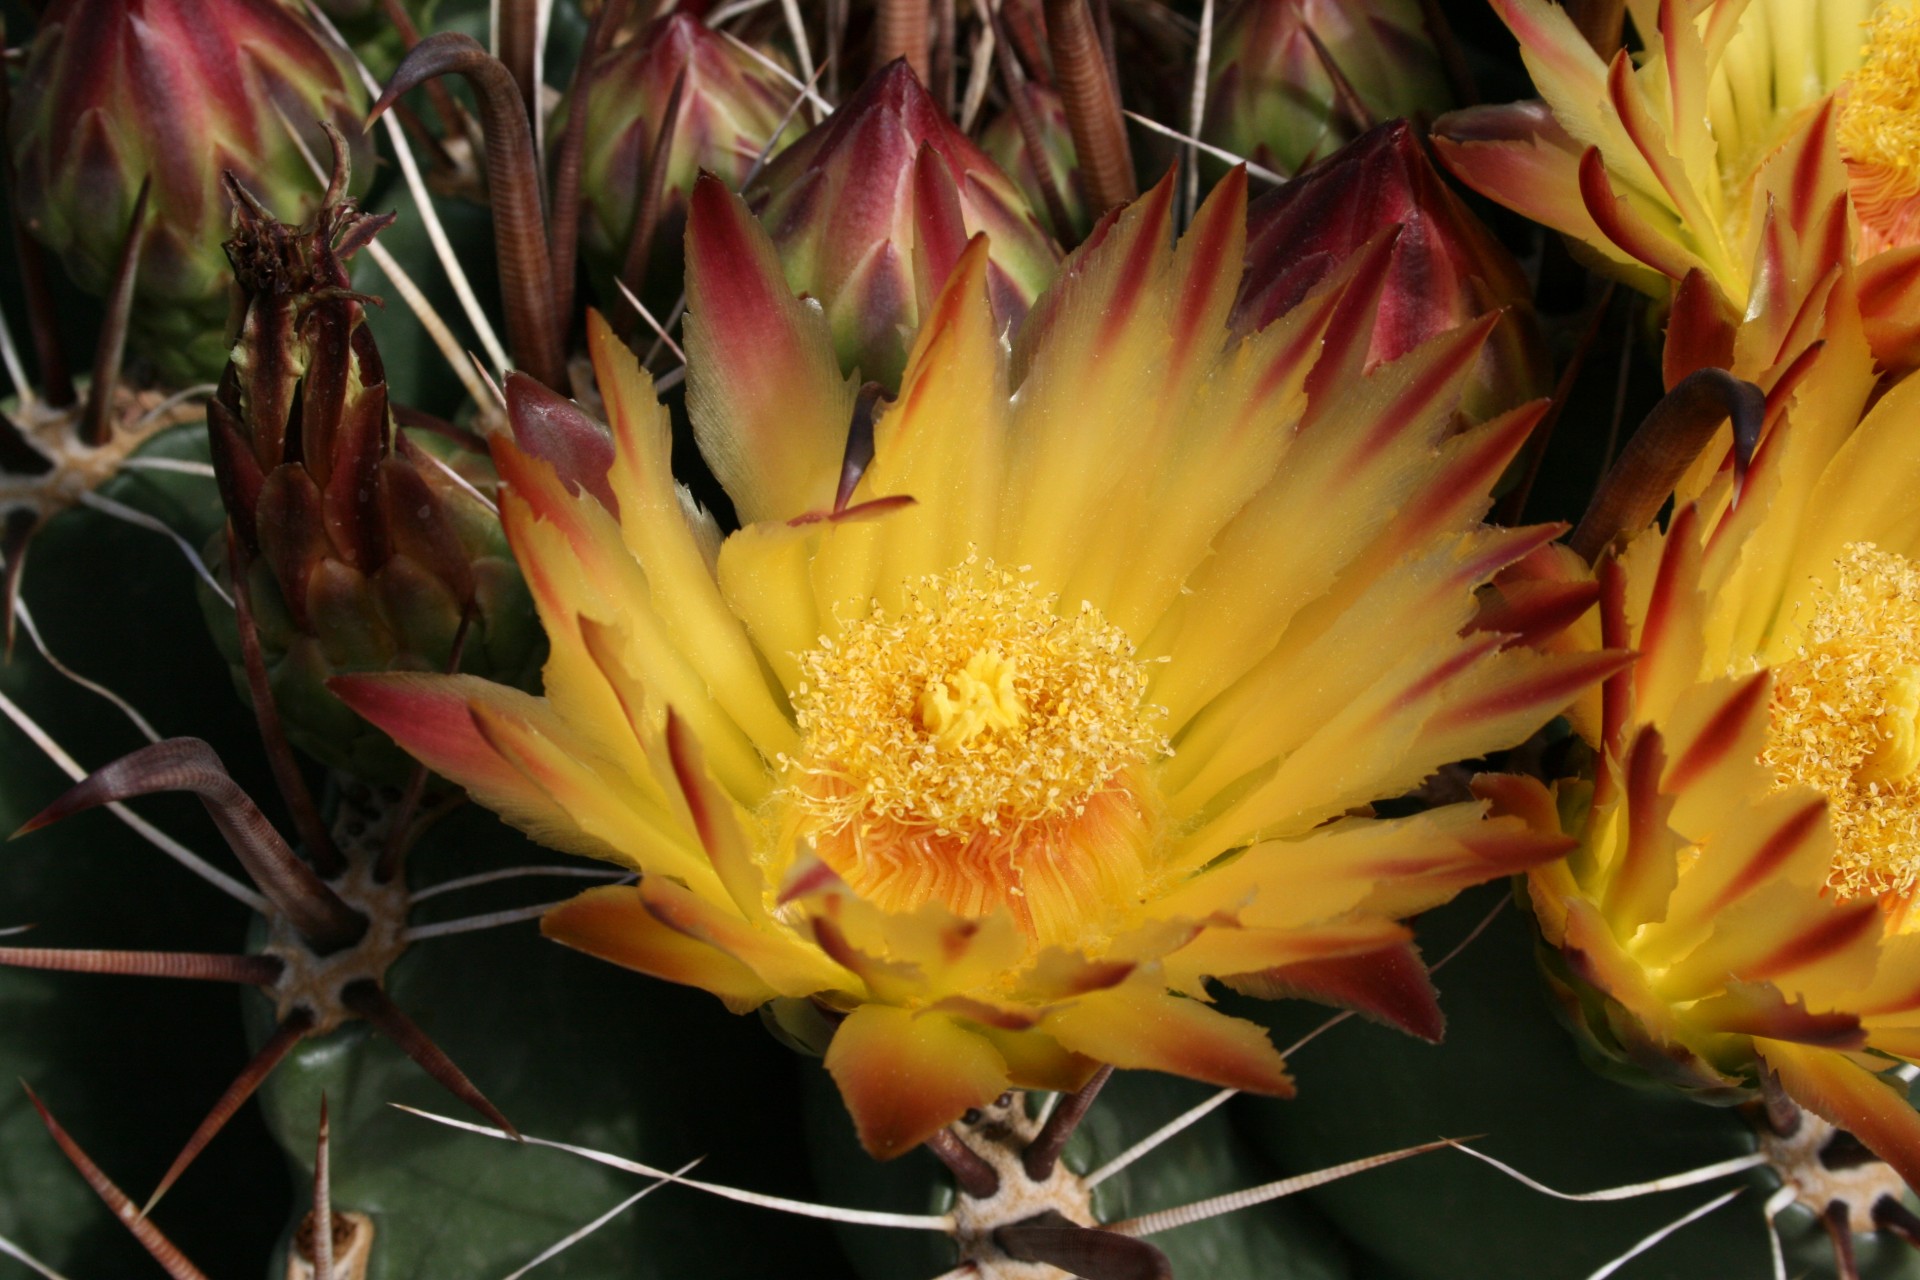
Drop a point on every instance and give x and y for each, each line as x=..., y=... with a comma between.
x=614, y=924
x=1038, y=1061
x=1224, y=950
x=1138, y=1025
x=1831, y=1086
x=782, y=960
x=1759, y=1009
x=905, y=1076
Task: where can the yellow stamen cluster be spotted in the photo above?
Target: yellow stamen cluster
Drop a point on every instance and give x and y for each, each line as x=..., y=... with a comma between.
x=1844, y=720
x=977, y=706
x=1879, y=127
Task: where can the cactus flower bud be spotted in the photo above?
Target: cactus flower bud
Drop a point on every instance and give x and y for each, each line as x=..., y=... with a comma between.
x=1447, y=268
x=1294, y=80
x=1003, y=140
x=356, y=551
x=871, y=210
x=730, y=106
x=117, y=92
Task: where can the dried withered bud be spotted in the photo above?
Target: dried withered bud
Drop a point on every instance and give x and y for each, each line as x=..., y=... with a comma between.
x=356, y=550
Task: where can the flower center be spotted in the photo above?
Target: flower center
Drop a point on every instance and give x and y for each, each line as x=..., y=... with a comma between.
x=1879, y=128
x=980, y=750
x=1844, y=720
x=979, y=698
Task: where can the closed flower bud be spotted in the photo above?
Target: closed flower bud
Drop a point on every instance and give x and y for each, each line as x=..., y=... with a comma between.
x=121, y=92
x=1294, y=80
x=871, y=210
x=730, y=108
x=1447, y=268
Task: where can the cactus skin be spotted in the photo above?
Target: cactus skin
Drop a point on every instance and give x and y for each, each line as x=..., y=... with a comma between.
x=178, y=91
x=129, y=1066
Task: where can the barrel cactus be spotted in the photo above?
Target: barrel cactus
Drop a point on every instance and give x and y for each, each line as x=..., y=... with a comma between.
x=990, y=540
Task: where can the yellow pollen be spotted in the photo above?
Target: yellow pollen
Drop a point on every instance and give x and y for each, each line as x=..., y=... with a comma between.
x=1844, y=720
x=979, y=698
x=980, y=748
x=1879, y=127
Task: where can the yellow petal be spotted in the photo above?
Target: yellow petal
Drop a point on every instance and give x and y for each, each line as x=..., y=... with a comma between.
x=614, y=924
x=904, y=1076
x=653, y=523
x=1140, y=1026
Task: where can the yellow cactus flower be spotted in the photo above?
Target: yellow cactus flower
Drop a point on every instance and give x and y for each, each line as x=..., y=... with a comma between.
x=1653, y=166
x=1880, y=127
x=1743, y=896
x=1009, y=721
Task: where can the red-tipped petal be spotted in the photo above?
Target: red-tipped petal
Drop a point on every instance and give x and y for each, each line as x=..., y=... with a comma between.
x=1536, y=611
x=1627, y=227
x=769, y=406
x=431, y=717
x=1389, y=985
x=548, y=425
